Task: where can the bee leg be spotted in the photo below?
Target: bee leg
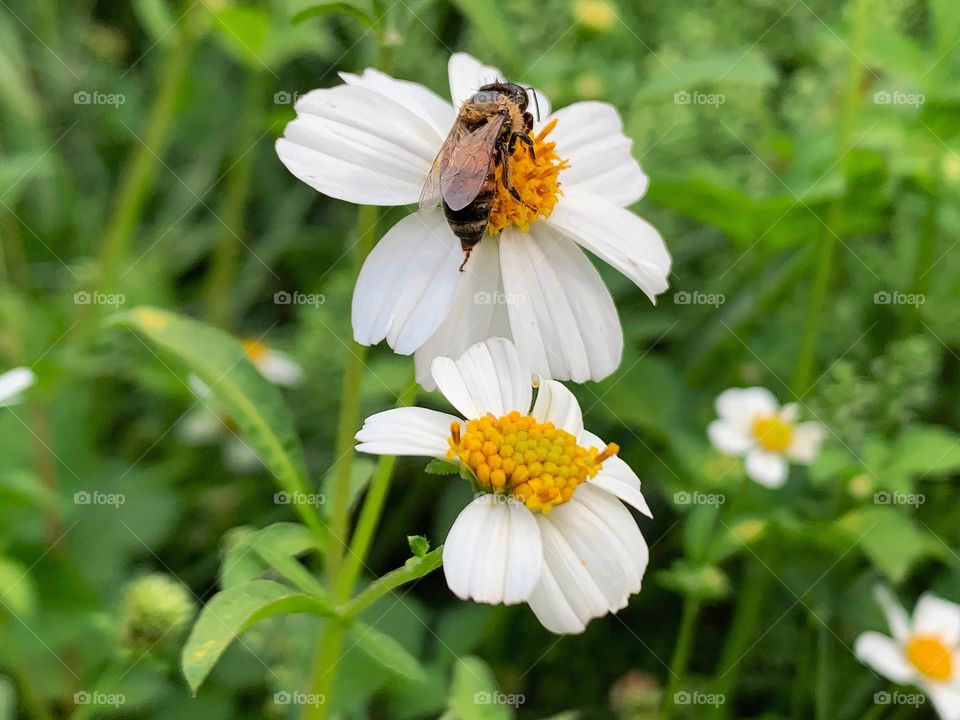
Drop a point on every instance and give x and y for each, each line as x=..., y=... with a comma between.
x=505, y=178
x=466, y=256
x=528, y=121
x=529, y=143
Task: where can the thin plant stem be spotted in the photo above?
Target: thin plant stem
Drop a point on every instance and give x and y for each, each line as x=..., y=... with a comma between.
x=325, y=660
x=681, y=653
x=824, y=673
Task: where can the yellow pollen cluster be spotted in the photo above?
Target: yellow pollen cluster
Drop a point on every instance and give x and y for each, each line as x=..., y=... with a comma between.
x=537, y=463
x=534, y=179
x=254, y=349
x=772, y=433
x=930, y=656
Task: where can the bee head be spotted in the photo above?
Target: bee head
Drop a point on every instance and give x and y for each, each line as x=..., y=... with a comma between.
x=512, y=91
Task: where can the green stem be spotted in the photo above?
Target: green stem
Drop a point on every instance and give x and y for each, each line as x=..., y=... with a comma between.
x=372, y=509
x=681, y=654
x=33, y=704
x=220, y=305
x=413, y=570
x=824, y=673
x=821, y=283
x=325, y=660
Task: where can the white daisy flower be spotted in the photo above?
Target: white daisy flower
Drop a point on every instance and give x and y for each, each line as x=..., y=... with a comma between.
x=754, y=426
x=13, y=383
x=208, y=423
x=924, y=650
x=547, y=526
x=373, y=141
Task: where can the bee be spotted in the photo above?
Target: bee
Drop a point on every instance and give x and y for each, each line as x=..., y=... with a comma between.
x=464, y=174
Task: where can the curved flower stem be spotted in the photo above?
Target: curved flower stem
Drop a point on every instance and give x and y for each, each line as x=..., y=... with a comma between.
x=681, y=654
x=372, y=508
x=414, y=569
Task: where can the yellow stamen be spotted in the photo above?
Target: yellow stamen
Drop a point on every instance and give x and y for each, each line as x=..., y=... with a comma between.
x=255, y=349
x=930, y=656
x=537, y=463
x=536, y=181
x=773, y=433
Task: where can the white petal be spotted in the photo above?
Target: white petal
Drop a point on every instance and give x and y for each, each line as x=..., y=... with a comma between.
x=421, y=100
x=617, y=477
x=744, y=404
x=884, y=655
x=489, y=377
x=590, y=135
x=806, y=442
x=479, y=311
x=280, y=369
x=407, y=283
x=945, y=699
x=629, y=243
x=341, y=144
x=406, y=431
x=556, y=404
x=197, y=386
x=767, y=468
x=199, y=426
x=790, y=412
x=936, y=616
x=467, y=75
x=730, y=437
x=594, y=559
x=896, y=616
x=493, y=552
x=563, y=318
x=240, y=457
x=13, y=383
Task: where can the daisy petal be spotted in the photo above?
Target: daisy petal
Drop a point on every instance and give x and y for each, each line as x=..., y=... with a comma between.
x=594, y=559
x=896, y=616
x=744, y=404
x=556, y=404
x=590, y=135
x=493, y=552
x=624, y=240
x=340, y=145
x=884, y=655
x=406, y=431
x=767, y=468
x=467, y=75
x=945, y=699
x=13, y=383
x=729, y=437
x=407, y=283
x=489, y=377
x=421, y=100
x=280, y=369
x=562, y=316
x=806, y=441
x=200, y=426
x=240, y=458
x=477, y=313
x=617, y=478
x=936, y=616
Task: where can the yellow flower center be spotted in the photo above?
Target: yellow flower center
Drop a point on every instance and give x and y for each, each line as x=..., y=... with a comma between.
x=254, y=349
x=537, y=463
x=535, y=179
x=930, y=656
x=772, y=433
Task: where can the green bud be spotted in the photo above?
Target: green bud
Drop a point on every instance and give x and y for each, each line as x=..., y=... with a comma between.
x=155, y=610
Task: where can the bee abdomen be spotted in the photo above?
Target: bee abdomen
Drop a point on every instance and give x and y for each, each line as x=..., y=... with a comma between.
x=470, y=223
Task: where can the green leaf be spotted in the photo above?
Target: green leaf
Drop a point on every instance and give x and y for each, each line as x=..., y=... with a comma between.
x=275, y=546
x=253, y=402
x=924, y=450
x=890, y=539
x=441, y=467
x=232, y=611
x=473, y=690
x=8, y=699
x=361, y=472
x=489, y=23
x=703, y=582
x=157, y=20
x=419, y=545
x=17, y=589
x=312, y=9
x=386, y=651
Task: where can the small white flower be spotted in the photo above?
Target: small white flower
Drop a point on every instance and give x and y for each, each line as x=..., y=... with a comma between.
x=754, y=426
x=547, y=526
x=208, y=423
x=373, y=141
x=924, y=650
x=14, y=383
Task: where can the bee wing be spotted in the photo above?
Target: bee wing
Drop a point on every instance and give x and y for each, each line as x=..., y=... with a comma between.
x=463, y=175
x=430, y=195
